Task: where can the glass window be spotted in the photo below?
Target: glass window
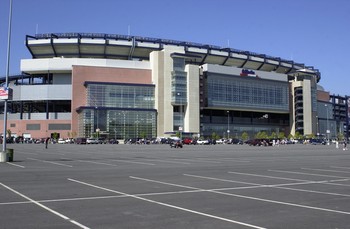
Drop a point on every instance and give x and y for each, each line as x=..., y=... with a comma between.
x=231, y=91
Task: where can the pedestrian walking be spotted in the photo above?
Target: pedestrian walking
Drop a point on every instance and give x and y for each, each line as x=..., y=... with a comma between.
x=345, y=147
x=46, y=142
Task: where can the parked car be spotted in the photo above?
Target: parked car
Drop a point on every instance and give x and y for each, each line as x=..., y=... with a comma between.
x=61, y=141
x=236, y=141
x=113, y=141
x=80, y=141
x=317, y=142
x=187, y=141
x=92, y=141
x=203, y=142
x=176, y=144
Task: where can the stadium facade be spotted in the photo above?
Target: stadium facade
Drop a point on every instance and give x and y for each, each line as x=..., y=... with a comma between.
x=122, y=87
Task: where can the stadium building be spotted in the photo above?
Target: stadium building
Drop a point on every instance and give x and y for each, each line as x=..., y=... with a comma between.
x=117, y=86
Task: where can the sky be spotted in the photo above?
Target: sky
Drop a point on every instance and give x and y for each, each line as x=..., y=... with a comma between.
x=313, y=32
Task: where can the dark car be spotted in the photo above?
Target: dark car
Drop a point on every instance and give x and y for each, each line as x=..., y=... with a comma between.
x=176, y=144
x=113, y=141
x=80, y=141
x=317, y=142
x=236, y=141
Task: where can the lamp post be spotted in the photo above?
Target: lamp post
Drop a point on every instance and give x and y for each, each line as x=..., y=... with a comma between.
x=327, y=131
x=7, y=76
x=181, y=118
x=97, y=126
x=317, y=131
x=228, y=125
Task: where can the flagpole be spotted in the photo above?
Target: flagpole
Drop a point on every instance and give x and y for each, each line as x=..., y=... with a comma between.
x=7, y=76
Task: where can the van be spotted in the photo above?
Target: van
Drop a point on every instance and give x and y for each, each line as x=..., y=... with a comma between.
x=80, y=141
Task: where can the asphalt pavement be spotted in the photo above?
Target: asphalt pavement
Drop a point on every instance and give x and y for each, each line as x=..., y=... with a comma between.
x=155, y=186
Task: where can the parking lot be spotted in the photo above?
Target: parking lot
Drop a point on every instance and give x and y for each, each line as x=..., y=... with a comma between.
x=155, y=186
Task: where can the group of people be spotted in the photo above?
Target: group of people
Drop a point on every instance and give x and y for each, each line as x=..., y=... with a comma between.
x=345, y=145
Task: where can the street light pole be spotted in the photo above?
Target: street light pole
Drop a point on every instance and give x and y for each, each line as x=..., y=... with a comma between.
x=317, y=131
x=181, y=118
x=7, y=76
x=327, y=131
x=228, y=125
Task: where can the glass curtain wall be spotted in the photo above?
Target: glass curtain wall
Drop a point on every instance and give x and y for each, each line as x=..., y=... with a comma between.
x=118, y=111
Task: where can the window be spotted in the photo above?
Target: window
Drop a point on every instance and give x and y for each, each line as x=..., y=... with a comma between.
x=33, y=126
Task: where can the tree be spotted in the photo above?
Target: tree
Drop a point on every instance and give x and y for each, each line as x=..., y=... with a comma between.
x=55, y=135
x=143, y=134
x=261, y=135
x=8, y=133
x=310, y=136
x=215, y=136
x=273, y=135
x=340, y=136
x=281, y=135
x=245, y=136
x=298, y=135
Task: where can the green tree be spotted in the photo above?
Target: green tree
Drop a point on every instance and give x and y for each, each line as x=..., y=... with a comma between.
x=281, y=135
x=273, y=135
x=261, y=135
x=55, y=135
x=215, y=136
x=310, y=136
x=8, y=133
x=245, y=136
x=340, y=136
x=298, y=135
x=143, y=134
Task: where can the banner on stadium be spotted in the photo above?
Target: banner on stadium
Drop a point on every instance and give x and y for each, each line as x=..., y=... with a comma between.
x=5, y=93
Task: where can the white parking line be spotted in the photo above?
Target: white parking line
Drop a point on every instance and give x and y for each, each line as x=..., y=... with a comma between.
x=166, y=161
x=339, y=167
x=46, y=208
x=50, y=162
x=95, y=162
x=326, y=170
x=168, y=205
x=132, y=162
x=21, y=166
x=228, y=159
x=257, y=175
x=261, y=199
x=310, y=174
x=198, y=160
x=281, y=186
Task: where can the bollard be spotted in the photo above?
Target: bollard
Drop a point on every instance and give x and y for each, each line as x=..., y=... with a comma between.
x=4, y=157
x=9, y=154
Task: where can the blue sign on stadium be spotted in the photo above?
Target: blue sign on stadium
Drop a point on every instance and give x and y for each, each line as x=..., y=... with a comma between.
x=247, y=72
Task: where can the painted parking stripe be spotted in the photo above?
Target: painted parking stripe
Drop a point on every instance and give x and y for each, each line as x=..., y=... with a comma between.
x=168, y=205
x=132, y=162
x=21, y=166
x=166, y=161
x=46, y=208
x=95, y=162
x=310, y=174
x=227, y=159
x=50, y=162
x=340, y=167
x=258, y=175
x=198, y=160
x=326, y=170
x=282, y=186
x=263, y=200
